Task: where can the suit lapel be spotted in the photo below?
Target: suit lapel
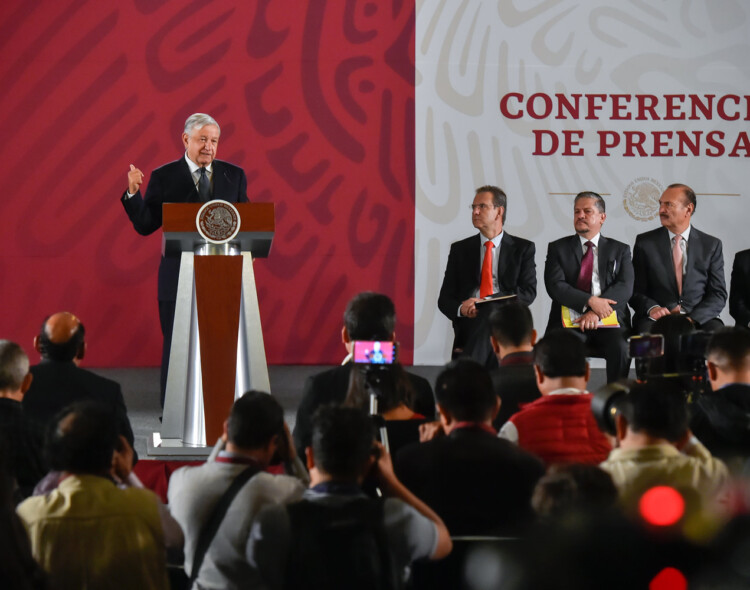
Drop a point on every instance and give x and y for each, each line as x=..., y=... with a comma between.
x=220, y=182
x=694, y=252
x=604, y=254
x=506, y=256
x=187, y=184
x=474, y=262
x=576, y=250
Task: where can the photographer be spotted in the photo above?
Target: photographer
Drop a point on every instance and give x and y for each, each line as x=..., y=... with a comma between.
x=391, y=386
x=337, y=537
x=721, y=417
x=368, y=316
x=655, y=446
x=254, y=435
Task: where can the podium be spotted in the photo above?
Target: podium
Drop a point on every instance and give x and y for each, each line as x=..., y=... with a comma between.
x=217, y=351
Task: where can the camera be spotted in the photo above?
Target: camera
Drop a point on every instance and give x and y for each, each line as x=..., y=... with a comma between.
x=604, y=404
x=374, y=352
x=679, y=357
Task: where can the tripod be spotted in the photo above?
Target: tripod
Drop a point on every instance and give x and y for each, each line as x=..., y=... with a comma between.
x=375, y=378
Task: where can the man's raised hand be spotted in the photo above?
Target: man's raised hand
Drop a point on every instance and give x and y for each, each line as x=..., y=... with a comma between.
x=135, y=178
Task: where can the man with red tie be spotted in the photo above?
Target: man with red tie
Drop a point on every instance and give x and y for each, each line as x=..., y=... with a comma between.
x=592, y=276
x=492, y=262
x=678, y=268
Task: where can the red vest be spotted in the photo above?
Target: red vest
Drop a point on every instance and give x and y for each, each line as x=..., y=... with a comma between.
x=560, y=428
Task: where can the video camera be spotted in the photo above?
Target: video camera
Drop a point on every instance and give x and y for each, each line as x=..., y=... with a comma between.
x=679, y=357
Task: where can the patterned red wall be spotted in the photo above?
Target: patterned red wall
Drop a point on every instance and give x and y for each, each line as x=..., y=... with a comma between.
x=316, y=102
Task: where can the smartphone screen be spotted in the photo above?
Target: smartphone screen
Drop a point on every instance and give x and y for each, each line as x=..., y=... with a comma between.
x=374, y=352
x=650, y=346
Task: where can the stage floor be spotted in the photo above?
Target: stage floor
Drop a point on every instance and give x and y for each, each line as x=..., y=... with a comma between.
x=140, y=388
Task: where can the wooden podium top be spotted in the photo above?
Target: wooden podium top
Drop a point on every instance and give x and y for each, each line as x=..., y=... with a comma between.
x=257, y=226
x=254, y=217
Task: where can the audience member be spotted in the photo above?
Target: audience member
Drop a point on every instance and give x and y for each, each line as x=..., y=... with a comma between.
x=477, y=483
x=559, y=427
x=88, y=532
x=253, y=433
x=392, y=388
x=513, y=338
x=336, y=537
x=18, y=570
x=59, y=380
x=19, y=438
x=368, y=316
x=721, y=418
x=655, y=447
x=572, y=489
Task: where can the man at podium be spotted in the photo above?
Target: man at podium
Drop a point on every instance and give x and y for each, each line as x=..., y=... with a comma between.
x=196, y=177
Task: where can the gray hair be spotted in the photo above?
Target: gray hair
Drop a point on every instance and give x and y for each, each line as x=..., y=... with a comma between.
x=14, y=366
x=598, y=200
x=198, y=121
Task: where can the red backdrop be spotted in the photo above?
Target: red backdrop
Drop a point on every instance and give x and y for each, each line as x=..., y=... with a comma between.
x=315, y=101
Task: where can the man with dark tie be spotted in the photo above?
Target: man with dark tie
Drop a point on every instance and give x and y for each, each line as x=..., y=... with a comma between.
x=592, y=276
x=678, y=268
x=196, y=177
x=491, y=262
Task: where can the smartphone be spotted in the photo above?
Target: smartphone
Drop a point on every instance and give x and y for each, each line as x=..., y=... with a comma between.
x=646, y=346
x=374, y=352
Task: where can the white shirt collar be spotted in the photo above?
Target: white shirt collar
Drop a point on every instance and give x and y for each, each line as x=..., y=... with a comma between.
x=194, y=167
x=685, y=235
x=496, y=240
x=594, y=240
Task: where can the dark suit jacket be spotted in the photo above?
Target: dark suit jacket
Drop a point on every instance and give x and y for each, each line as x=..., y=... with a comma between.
x=561, y=274
x=56, y=385
x=21, y=447
x=739, y=289
x=721, y=421
x=514, y=383
x=330, y=387
x=517, y=275
x=173, y=183
x=477, y=483
x=704, y=292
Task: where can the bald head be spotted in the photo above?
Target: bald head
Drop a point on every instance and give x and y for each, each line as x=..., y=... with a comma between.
x=61, y=337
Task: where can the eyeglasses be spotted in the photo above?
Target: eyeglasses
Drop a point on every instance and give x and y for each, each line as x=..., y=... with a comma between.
x=481, y=206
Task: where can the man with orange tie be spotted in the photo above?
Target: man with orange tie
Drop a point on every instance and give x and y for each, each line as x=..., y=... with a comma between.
x=592, y=276
x=491, y=262
x=678, y=268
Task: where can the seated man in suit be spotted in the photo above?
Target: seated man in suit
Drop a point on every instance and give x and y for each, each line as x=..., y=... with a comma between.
x=197, y=177
x=592, y=276
x=478, y=483
x=513, y=338
x=678, y=268
x=59, y=380
x=739, y=289
x=491, y=262
x=559, y=427
x=368, y=316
